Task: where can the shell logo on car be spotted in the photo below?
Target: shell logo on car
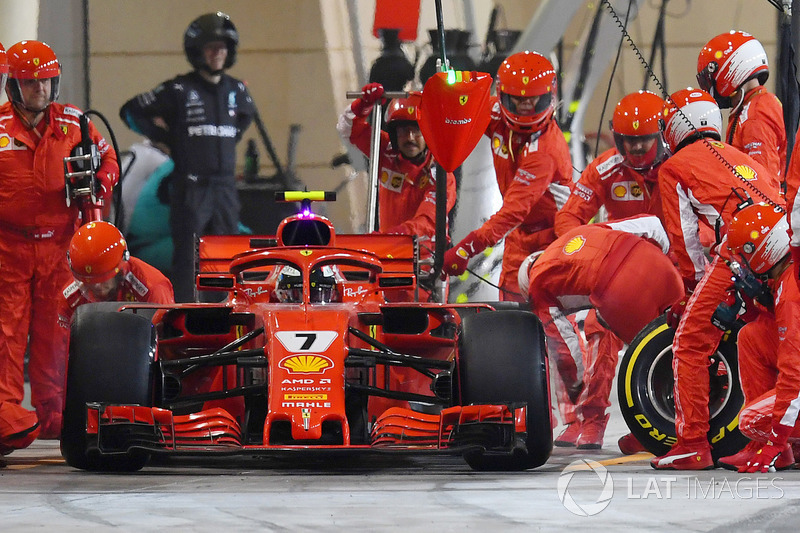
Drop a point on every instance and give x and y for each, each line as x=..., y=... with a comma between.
x=306, y=364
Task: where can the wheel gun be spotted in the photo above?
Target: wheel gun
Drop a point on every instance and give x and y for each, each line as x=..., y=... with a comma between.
x=80, y=176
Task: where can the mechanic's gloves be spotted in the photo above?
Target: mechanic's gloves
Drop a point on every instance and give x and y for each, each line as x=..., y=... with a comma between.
x=104, y=187
x=796, y=261
x=763, y=460
x=370, y=93
x=675, y=312
x=457, y=257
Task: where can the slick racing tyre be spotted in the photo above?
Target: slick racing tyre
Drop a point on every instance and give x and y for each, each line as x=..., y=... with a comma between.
x=110, y=361
x=502, y=360
x=646, y=392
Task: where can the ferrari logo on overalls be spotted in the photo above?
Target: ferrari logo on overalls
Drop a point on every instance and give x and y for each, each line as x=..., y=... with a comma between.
x=463, y=99
x=574, y=245
x=64, y=129
x=306, y=252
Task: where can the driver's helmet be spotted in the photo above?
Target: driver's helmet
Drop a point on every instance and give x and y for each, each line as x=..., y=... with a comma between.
x=323, y=286
x=289, y=288
x=759, y=236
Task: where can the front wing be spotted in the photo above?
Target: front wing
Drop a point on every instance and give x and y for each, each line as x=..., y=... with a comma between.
x=119, y=429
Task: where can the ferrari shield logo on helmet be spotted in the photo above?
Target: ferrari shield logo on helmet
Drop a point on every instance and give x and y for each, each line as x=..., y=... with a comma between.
x=35, y=61
x=88, y=269
x=635, y=124
x=525, y=80
x=411, y=109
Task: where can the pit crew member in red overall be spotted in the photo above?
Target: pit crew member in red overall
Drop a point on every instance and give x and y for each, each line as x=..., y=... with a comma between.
x=769, y=369
x=18, y=426
x=599, y=266
x=704, y=182
x=533, y=168
x=407, y=194
x=104, y=271
x=623, y=179
x=36, y=224
x=733, y=68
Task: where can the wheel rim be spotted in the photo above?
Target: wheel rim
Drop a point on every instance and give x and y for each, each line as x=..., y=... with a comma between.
x=660, y=385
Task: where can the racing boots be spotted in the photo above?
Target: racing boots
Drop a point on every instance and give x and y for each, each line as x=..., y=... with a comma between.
x=49, y=415
x=569, y=437
x=734, y=462
x=18, y=427
x=688, y=455
x=629, y=445
x=592, y=431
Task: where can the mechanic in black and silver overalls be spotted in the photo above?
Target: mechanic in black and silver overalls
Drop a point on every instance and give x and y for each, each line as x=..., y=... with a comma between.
x=197, y=119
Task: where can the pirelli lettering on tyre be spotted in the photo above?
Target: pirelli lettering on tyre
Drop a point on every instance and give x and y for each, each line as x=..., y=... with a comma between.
x=654, y=432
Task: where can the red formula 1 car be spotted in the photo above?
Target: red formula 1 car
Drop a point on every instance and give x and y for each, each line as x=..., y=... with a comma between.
x=319, y=344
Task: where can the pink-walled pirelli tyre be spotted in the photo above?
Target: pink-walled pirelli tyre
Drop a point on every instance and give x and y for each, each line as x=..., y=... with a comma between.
x=110, y=360
x=645, y=387
x=502, y=359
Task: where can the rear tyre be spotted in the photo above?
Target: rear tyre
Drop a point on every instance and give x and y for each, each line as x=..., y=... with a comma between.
x=646, y=392
x=502, y=360
x=110, y=361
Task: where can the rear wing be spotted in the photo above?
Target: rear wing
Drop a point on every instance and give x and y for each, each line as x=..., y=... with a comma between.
x=398, y=253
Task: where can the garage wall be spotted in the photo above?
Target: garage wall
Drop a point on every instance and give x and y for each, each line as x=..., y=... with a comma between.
x=297, y=59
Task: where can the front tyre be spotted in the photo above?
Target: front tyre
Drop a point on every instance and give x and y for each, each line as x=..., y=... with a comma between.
x=646, y=392
x=110, y=361
x=503, y=360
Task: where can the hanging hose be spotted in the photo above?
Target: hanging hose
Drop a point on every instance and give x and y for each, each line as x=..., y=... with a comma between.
x=117, y=192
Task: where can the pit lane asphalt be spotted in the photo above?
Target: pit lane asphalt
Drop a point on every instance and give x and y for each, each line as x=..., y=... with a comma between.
x=39, y=492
